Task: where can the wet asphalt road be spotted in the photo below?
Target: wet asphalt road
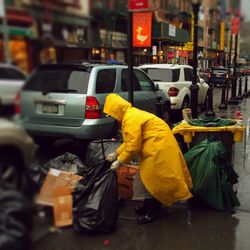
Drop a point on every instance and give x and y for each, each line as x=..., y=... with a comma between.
x=182, y=226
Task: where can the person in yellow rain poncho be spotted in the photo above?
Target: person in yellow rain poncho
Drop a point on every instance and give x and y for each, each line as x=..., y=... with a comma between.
x=162, y=167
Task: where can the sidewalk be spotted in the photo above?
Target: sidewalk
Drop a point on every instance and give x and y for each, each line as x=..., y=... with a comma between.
x=181, y=226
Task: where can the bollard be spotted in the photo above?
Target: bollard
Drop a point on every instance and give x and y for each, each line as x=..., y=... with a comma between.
x=240, y=97
x=233, y=99
x=245, y=90
x=223, y=104
x=210, y=111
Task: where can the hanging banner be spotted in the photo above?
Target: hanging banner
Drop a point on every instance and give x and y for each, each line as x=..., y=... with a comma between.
x=235, y=25
x=142, y=27
x=222, y=35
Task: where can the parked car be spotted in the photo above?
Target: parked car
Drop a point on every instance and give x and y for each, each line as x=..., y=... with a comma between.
x=204, y=73
x=218, y=76
x=11, y=81
x=176, y=80
x=67, y=100
x=16, y=152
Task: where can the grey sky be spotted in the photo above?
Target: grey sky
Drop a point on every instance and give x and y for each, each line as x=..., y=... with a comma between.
x=245, y=7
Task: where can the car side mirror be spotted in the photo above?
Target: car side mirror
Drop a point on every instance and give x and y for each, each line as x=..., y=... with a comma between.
x=156, y=87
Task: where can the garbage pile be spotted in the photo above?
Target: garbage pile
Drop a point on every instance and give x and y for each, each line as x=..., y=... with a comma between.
x=82, y=195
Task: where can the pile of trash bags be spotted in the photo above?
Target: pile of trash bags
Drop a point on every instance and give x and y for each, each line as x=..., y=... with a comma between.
x=213, y=176
x=95, y=197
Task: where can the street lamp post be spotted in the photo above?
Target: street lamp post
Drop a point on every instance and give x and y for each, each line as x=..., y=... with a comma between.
x=194, y=87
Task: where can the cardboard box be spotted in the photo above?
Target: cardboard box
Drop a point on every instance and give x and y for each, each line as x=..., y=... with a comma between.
x=62, y=206
x=125, y=180
x=54, y=179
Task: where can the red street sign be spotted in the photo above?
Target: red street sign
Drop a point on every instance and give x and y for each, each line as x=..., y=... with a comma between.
x=134, y=5
x=235, y=25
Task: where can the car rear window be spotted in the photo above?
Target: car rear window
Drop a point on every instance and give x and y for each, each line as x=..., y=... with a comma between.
x=45, y=79
x=163, y=75
x=215, y=71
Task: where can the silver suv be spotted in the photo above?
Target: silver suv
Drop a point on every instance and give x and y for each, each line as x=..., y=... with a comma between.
x=66, y=100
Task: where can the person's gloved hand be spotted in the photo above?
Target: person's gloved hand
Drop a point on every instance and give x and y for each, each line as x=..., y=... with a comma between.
x=115, y=165
x=111, y=157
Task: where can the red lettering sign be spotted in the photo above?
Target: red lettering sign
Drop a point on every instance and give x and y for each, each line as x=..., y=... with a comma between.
x=137, y=5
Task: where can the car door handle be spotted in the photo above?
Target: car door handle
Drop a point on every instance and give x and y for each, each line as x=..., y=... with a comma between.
x=147, y=99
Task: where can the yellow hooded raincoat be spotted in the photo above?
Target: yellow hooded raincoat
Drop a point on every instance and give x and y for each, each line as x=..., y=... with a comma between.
x=162, y=166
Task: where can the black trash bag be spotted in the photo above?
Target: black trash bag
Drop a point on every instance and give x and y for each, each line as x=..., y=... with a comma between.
x=98, y=150
x=95, y=199
x=15, y=221
x=67, y=162
x=33, y=178
x=96, y=206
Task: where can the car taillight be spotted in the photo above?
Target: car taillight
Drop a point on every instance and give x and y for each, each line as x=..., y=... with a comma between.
x=93, y=110
x=226, y=75
x=209, y=75
x=173, y=91
x=17, y=104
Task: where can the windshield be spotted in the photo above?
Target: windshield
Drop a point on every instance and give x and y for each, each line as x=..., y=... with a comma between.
x=163, y=75
x=46, y=79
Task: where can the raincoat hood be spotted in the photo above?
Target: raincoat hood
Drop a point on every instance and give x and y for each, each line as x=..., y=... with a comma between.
x=116, y=106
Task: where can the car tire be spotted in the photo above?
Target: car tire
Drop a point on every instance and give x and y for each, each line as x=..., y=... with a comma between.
x=43, y=141
x=11, y=166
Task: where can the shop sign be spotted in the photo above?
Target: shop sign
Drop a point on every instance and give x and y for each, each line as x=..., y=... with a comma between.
x=154, y=50
x=188, y=46
x=171, y=30
x=134, y=5
x=142, y=27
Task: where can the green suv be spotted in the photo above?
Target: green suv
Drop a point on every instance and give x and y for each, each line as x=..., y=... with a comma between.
x=66, y=100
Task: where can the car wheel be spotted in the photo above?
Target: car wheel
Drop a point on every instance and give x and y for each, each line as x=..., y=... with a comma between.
x=43, y=141
x=10, y=169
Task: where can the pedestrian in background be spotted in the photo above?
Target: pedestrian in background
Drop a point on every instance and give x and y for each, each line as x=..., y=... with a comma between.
x=162, y=168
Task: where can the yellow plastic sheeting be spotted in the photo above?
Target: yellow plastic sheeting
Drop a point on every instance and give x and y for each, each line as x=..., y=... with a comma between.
x=188, y=131
x=162, y=167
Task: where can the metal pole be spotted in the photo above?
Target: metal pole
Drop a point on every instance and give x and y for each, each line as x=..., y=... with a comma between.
x=233, y=99
x=229, y=67
x=130, y=57
x=5, y=36
x=194, y=87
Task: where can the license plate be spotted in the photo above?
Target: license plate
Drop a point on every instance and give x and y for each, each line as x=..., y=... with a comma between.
x=50, y=108
x=218, y=75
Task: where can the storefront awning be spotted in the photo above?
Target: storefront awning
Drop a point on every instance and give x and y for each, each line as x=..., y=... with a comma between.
x=19, y=17
x=17, y=31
